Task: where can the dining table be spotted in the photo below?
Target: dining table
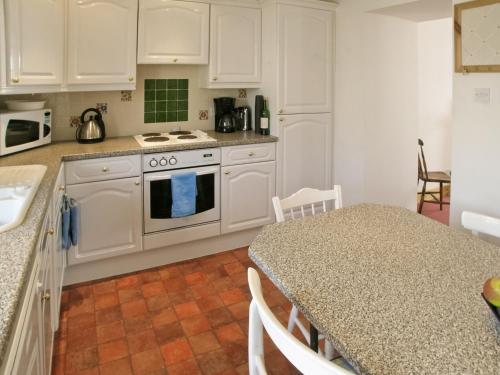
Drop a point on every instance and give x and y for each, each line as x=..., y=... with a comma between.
x=395, y=292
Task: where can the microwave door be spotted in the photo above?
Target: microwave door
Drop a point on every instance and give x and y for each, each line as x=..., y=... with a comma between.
x=21, y=132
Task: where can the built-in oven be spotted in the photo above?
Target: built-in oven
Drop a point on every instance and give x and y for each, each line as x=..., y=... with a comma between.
x=159, y=169
x=23, y=130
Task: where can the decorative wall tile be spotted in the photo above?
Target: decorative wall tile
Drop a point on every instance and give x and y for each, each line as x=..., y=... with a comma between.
x=203, y=114
x=166, y=100
x=74, y=121
x=126, y=96
x=102, y=107
x=242, y=93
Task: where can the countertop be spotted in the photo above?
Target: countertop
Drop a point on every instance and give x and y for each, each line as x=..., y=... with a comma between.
x=397, y=293
x=17, y=246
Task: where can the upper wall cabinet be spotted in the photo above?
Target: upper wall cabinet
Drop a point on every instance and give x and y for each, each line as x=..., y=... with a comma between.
x=173, y=32
x=102, y=37
x=305, y=60
x=35, y=42
x=235, y=47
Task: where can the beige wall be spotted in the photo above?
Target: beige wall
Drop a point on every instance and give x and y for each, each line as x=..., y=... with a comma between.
x=126, y=118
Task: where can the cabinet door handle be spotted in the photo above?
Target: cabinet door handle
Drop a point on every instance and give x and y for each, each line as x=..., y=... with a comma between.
x=175, y=60
x=15, y=80
x=282, y=119
x=46, y=296
x=280, y=111
x=61, y=188
x=251, y=153
x=227, y=172
x=50, y=231
x=215, y=78
x=105, y=169
x=137, y=183
x=131, y=79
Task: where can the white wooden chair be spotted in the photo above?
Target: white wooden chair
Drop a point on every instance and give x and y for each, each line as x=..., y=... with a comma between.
x=298, y=205
x=478, y=223
x=303, y=358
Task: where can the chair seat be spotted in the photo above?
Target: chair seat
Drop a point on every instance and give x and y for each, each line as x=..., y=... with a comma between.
x=437, y=177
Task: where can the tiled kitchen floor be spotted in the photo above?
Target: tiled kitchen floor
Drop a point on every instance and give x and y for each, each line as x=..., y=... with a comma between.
x=185, y=318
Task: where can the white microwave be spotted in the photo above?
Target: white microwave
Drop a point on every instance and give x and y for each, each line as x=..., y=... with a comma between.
x=23, y=130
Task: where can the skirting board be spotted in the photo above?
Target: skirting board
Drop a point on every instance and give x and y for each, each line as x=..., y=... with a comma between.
x=154, y=258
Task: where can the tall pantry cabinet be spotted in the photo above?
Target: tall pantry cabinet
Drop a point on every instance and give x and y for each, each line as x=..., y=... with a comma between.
x=298, y=76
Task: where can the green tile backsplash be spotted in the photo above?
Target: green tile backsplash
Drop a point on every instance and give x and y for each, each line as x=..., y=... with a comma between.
x=166, y=100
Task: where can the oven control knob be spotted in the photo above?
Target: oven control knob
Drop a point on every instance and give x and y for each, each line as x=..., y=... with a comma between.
x=173, y=161
x=163, y=162
x=153, y=163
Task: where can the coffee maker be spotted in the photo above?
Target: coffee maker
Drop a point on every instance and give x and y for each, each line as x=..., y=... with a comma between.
x=225, y=118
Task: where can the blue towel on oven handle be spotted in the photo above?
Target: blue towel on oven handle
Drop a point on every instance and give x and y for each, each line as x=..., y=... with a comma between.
x=65, y=224
x=74, y=210
x=183, y=194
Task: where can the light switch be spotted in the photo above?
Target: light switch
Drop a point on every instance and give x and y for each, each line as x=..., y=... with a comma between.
x=482, y=95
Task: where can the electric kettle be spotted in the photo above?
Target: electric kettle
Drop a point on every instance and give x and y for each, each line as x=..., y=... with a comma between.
x=92, y=130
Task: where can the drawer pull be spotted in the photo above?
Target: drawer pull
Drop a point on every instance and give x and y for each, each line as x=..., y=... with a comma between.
x=282, y=119
x=61, y=188
x=131, y=79
x=50, y=231
x=46, y=296
x=227, y=172
x=175, y=60
x=137, y=183
x=215, y=78
x=280, y=111
x=105, y=169
x=15, y=80
x=251, y=153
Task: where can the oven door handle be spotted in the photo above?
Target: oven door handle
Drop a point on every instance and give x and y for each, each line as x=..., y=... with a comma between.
x=169, y=176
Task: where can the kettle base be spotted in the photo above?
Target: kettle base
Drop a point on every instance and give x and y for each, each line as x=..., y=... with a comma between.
x=86, y=141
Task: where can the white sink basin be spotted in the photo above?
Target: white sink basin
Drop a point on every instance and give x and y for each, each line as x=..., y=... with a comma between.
x=18, y=186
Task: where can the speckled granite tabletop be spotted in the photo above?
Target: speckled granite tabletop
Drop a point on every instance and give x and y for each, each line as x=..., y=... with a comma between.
x=17, y=246
x=397, y=293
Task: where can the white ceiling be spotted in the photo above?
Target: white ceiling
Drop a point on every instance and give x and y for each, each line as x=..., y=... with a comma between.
x=419, y=10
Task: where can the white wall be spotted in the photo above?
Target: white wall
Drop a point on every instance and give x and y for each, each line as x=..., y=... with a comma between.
x=435, y=91
x=475, y=147
x=376, y=109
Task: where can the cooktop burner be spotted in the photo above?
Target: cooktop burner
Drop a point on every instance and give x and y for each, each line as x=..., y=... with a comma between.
x=156, y=139
x=180, y=132
x=187, y=137
x=151, y=135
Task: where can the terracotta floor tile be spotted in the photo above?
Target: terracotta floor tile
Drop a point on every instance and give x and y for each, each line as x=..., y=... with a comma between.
x=175, y=284
x=224, y=258
x=163, y=317
x=277, y=364
x=84, y=338
x=185, y=310
x=119, y=367
x=181, y=296
x=243, y=369
x=133, y=308
x=209, y=303
x=184, y=368
x=104, y=287
x=275, y=298
x=59, y=346
x=104, y=301
x=58, y=364
x=216, y=273
x=189, y=266
x=204, y=343
x=168, y=333
x=232, y=296
x=214, y=362
x=219, y=317
x=137, y=323
x=147, y=362
x=129, y=294
x=81, y=360
x=202, y=290
x=108, y=315
x=195, y=325
x=150, y=276
x=80, y=293
x=78, y=322
x=176, y=351
x=223, y=284
x=129, y=281
x=239, y=310
x=141, y=341
x=110, y=331
x=90, y=371
x=157, y=303
x=241, y=253
x=81, y=307
x=234, y=267
x=112, y=351
x=153, y=289
x=195, y=278
x=239, y=279
x=169, y=272
x=231, y=332
x=237, y=352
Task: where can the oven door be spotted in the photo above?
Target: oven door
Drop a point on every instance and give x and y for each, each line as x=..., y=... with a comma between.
x=158, y=199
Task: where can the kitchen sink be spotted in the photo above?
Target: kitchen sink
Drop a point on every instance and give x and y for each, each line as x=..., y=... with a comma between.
x=18, y=186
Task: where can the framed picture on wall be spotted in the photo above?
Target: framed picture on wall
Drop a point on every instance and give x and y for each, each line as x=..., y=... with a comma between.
x=477, y=36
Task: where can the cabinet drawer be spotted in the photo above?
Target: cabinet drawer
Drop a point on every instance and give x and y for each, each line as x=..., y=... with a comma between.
x=248, y=154
x=82, y=171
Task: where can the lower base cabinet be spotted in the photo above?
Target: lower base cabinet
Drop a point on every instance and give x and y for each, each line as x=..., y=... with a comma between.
x=246, y=193
x=110, y=219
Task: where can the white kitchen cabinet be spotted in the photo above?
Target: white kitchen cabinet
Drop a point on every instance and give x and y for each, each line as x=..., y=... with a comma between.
x=304, y=152
x=110, y=219
x=173, y=32
x=246, y=193
x=305, y=60
x=235, y=47
x=102, y=36
x=35, y=42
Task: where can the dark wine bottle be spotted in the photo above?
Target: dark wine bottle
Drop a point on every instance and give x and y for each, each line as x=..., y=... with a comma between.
x=265, y=118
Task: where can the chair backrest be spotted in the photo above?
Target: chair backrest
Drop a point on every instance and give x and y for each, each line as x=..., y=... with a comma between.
x=303, y=358
x=422, y=164
x=297, y=203
x=478, y=223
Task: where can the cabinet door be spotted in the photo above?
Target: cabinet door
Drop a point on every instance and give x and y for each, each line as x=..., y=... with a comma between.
x=102, y=38
x=235, y=44
x=173, y=32
x=35, y=39
x=46, y=312
x=305, y=39
x=246, y=192
x=110, y=219
x=304, y=152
